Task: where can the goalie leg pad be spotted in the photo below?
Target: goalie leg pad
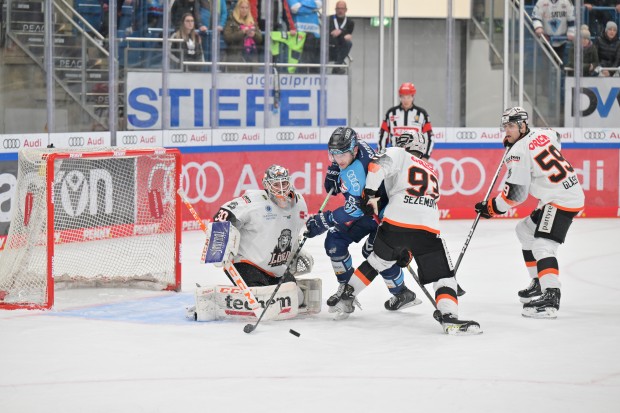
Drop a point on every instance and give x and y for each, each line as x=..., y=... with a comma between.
x=312, y=295
x=205, y=304
x=224, y=302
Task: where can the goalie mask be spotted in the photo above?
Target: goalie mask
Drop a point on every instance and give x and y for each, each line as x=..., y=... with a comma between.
x=277, y=183
x=412, y=142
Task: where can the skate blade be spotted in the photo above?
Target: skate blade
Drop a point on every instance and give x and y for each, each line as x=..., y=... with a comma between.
x=461, y=330
x=550, y=313
x=415, y=302
x=339, y=316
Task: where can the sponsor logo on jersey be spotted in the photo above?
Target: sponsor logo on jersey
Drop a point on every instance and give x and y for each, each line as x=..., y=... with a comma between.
x=232, y=205
x=246, y=199
x=539, y=142
x=546, y=221
x=513, y=158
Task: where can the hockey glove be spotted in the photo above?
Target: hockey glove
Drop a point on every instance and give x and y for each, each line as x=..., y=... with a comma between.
x=331, y=179
x=487, y=209
x=319, y=223
x=370, y=202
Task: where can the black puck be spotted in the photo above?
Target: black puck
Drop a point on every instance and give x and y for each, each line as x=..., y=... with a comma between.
x=248, y=328
x=293, y=332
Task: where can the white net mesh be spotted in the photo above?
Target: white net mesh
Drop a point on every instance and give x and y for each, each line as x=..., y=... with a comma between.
x=114, y=224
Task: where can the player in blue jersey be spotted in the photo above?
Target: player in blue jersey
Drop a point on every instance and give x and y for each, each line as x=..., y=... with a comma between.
x=348, y=224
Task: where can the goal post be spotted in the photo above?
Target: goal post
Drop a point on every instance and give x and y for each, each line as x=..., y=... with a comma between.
x=106, y=217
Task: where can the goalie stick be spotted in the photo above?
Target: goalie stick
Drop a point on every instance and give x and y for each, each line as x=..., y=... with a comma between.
x=229, y=268
x=249, y=327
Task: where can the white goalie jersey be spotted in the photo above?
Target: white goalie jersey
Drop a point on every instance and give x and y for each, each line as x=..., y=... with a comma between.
x=269, y=234
x=412, y=187
x=537, y=167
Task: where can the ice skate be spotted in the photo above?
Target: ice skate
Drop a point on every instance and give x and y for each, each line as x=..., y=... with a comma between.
x=334, y=298
x=532, y=291
x=405, y=299
x=346, y=304
x=453, y=326
x=546, y=306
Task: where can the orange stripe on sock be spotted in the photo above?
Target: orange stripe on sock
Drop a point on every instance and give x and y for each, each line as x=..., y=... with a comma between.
x=548, y=271
x=530, y=263
x=446, y=296
x=362, y=277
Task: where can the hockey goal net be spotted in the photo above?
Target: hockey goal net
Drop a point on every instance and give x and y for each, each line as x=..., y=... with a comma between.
x=104, y=218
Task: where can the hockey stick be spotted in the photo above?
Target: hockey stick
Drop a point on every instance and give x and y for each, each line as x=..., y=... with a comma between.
x=473, y=227
x=436, y=313
x=249, y=327
x=229, y=268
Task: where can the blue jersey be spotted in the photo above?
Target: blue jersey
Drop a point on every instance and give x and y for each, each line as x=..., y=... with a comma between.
x=352, y=182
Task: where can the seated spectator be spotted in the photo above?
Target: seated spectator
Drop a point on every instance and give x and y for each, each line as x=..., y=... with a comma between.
x=555, y=19
x=242, y=36
x=590, y=63
x=191, y=45
x=340, y=35
x=608, y=48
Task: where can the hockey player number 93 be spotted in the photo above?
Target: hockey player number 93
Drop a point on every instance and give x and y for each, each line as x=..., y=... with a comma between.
x=418, y=178
x=557, y=161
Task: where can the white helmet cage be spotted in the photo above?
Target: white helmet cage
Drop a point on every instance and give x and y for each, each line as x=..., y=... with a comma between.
x=516, y=115
x=277, y=182
x=412, y=142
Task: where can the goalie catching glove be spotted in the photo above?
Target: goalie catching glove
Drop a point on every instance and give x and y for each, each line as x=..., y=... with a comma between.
x=222, y=243
x=487, y=209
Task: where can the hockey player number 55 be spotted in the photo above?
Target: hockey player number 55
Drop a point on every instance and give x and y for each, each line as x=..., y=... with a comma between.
x=556, y=161
x=419, y=179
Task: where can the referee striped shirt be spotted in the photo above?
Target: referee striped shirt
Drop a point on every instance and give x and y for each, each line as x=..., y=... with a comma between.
x=398, y=121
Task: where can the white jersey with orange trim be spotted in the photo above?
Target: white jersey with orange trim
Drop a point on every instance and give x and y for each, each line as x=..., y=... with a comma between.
x=269, y=234
x=537, y=167
x=412, y=187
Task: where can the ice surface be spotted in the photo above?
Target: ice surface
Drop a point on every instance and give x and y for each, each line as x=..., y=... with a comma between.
x=133, y=351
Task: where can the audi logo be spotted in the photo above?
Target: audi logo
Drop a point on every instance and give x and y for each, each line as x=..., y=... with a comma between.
x=178, y=138
x=230, y=137
x=594, y=135
x=457, y=175
x=466, y=134
x=76, y=141
x=130, y=139
x=285, y=136
x=11, y=143
x=196, y=188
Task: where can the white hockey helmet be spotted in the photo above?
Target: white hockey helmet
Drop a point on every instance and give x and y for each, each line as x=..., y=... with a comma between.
x=516, y=115
x=277, y=183
x=412, y=142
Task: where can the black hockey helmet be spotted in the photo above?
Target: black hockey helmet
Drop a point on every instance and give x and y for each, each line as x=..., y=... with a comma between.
x=342, y=140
